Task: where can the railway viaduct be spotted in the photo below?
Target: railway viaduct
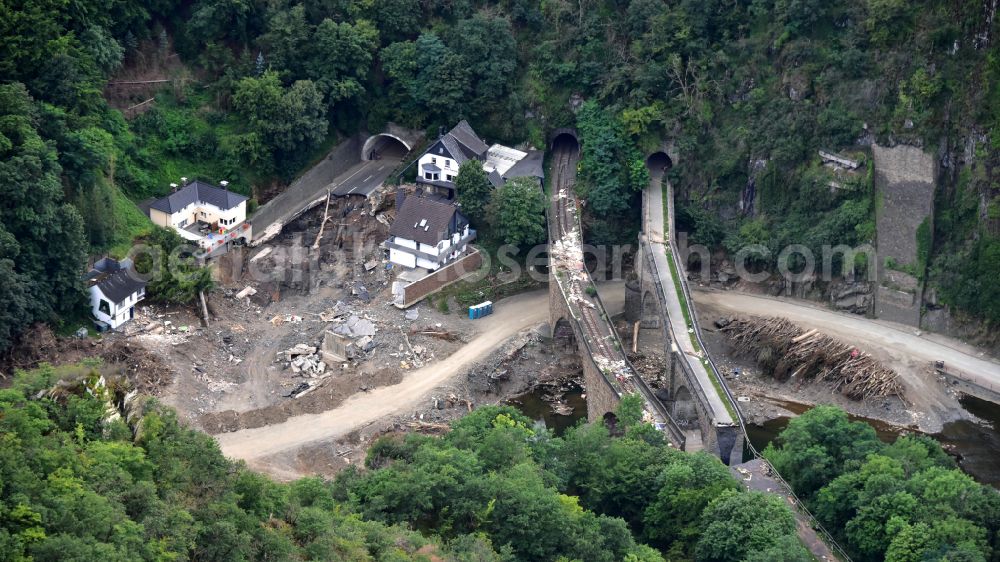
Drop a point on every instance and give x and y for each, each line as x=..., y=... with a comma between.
x=696, y=412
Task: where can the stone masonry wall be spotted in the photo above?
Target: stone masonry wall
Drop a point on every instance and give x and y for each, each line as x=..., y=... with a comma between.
x=905, y=179
x=441, y=278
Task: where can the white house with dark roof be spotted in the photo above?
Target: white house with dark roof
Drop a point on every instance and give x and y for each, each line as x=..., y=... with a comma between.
x=202, y=213
x=428, y=233
x=114, y=289
x=438, y=166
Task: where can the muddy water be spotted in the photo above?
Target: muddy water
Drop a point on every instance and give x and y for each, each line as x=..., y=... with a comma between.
x=533, y=406
x=976, y=445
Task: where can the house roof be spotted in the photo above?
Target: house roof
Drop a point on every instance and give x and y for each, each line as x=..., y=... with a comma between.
x=468, y=138
x=502, y=158
x=529, y=166
x=455, y=149
x=198, y=191
x=495, y=179
x=425, y=220
x=119, y=285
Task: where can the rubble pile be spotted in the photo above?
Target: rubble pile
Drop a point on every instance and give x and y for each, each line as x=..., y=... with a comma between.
x=303, y=359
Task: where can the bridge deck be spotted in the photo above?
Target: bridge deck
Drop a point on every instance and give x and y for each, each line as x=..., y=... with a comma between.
x=657, y=231
x=593, y=324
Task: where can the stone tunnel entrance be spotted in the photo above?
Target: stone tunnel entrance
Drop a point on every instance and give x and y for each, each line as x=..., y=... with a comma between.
x=384, y=145
x=659, y=162
x=565, y=139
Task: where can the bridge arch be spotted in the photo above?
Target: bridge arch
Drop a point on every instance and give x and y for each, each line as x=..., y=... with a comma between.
x=381, y=144
x=659, y=161
x=562, y=332
x=611, y=422
x=685, y=411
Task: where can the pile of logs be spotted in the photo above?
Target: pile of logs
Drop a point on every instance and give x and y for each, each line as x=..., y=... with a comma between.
x=789, y=352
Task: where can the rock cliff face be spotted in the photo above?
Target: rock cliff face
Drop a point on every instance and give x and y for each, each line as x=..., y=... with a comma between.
x=905, y=181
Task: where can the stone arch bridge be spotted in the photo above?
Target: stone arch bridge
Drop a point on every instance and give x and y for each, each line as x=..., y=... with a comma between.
x=694, y=412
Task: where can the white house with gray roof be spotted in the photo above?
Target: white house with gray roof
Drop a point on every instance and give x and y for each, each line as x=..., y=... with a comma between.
x=114, y=289
x=439, y=165
x=202, y=213
x=428, y=233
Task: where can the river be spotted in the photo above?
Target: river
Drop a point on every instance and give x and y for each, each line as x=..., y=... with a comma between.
x=533, y=406
x=975, y=445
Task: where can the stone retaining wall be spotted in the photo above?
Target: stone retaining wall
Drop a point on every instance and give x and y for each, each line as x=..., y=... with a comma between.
x=416, y=291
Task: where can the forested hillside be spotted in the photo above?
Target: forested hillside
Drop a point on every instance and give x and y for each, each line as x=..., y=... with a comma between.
x=78, y=483
x=747, y=91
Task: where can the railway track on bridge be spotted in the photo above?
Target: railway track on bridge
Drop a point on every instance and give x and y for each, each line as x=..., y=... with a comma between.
x=569, y=271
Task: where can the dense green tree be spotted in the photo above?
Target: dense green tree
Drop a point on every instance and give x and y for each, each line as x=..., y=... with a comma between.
x=171, y=266
x=737, y=525
x=611, y=169
x=286, y=120
x=41, y=237
x=686, y=487
x=431, y=81
x=904, y=501
x=474, y=191
x=818, y=446
x=342, y=58
x=517, y=212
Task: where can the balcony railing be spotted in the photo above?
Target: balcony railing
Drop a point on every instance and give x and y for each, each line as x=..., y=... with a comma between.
x=436, y=258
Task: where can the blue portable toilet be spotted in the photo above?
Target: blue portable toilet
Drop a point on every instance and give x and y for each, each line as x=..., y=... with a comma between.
x=488, y=305
x=472, y=313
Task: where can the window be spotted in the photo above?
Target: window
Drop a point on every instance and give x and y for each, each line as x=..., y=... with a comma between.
x=447, y=163
x=434, y=160
x=104, y=307
x=428, y=176
x=182, y=224
x=450, y=177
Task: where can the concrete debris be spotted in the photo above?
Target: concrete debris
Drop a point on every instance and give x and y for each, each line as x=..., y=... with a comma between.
x=262, y=254
x=371, y=265
x=279, y=320
x=303, y=360
x=246, y=292
x=357, y=327
x=365, y=344
x=361, y=292
x=413, y=313
x=336, y=311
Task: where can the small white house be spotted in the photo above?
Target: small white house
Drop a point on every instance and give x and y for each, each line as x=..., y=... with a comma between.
x=114, y=289
x=439, y=164
x=202, y=213
x=428, y=233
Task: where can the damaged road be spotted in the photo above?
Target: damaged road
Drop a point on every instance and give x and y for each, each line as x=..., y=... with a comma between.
x=255, y=445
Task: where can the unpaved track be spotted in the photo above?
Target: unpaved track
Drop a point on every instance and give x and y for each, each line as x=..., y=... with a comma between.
x=890, y=341
x=512, y=315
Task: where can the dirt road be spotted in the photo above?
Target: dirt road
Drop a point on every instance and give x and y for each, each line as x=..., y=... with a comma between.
x=512, y=315
x=900, y=342
x=897, y=346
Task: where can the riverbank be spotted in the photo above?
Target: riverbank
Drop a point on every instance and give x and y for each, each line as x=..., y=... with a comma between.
x=929, y=400
x=967, y=426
